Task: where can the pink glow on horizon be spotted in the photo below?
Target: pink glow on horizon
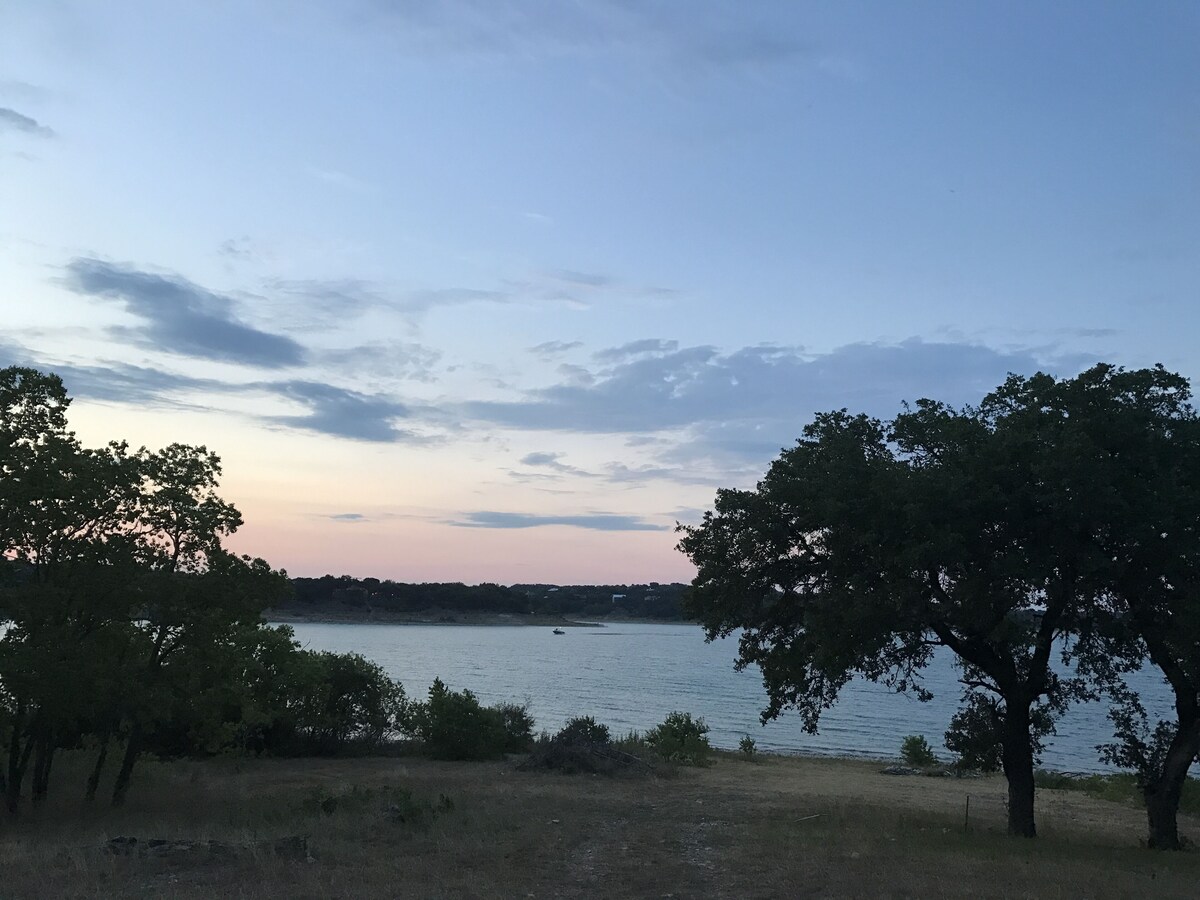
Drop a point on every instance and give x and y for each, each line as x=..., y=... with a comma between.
x=420, y=552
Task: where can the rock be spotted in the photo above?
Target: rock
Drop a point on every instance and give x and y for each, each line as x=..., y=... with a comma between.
x=900, y=770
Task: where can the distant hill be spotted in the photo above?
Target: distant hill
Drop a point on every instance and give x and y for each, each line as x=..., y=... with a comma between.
x=345, y=597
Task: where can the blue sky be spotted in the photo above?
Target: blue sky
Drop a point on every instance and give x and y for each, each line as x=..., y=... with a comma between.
x=481, y=291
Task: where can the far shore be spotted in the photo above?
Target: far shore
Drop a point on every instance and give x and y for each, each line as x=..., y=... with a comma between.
x=446, y=617
x=430, y=617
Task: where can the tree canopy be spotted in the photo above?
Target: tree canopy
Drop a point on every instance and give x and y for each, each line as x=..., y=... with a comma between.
x=988, y=530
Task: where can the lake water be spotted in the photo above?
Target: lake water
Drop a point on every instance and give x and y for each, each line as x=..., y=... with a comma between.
x=630, y=676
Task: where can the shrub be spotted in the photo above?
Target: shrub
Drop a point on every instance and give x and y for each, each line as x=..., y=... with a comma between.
x=517, y=723
x=915, y=751
x=350, y=700
x=747, y=747
x=681, y=739
x=584, y=730
x=454, y=725
x=582, y=745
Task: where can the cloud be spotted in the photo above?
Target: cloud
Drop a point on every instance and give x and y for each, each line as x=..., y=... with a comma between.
x=552, y=461
x=240, y=249
x=576, y=375
x=338, y=179
x=750, y=402
x=542, y=459
x=614, y=472
x=552, y=348
x=688, y=515
x=425, y=300
x=113, y=382
x=344, y=413
x=717, y=36
x=182, y=317
x=347, y=517
x=331, y=410
x=11, y=120
x=408, y=361
x=620, y=473
x=637, y=348
x=592, y=522
x=583, y=279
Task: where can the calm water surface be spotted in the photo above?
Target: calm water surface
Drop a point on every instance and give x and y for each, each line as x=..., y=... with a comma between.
x=631, y=676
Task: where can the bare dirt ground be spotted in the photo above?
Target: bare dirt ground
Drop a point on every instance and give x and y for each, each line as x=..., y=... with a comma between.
x=781, y=827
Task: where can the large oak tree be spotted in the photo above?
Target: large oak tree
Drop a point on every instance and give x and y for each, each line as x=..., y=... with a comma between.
x=983, y=530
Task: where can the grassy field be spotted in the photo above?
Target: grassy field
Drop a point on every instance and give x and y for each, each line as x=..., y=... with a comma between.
x=779, y=827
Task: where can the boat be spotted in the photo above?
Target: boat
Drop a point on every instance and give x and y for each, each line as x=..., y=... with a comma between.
x=559, y=631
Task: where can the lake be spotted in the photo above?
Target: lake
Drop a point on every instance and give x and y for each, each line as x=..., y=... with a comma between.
x=629, y=676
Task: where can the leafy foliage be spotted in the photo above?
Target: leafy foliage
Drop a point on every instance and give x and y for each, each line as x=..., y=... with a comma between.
x=682, y=739
x=123, y=609
x=915, y=751
x=454, y=725
x=585, y=746
x=584, y=730
x=994, y=531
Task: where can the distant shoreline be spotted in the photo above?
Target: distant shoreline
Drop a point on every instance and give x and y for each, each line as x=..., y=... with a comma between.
x=434, y=617
x=438, y=617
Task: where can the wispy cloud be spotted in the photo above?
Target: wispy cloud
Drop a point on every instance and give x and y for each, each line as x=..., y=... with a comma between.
x=750, y=402
x=344, y=413
x=11, y=120
x=240, y=249
x=616, y=473
x=337, y=178
x=712, y=35
x=553, y=462
x=549, y=349
x=425, y=300
x=407, y=361
x=181, y=317
x=637, y=348
x=329, y=409
x=592, y=521
x=324, y=299
x=583, y=279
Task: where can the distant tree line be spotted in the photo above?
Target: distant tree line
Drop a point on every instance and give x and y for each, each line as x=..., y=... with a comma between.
x=345, y=595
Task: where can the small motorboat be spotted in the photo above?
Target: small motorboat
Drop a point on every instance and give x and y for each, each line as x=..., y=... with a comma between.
x=559, y=631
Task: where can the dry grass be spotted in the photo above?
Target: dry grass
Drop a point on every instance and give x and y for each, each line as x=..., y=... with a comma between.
x=776, y=828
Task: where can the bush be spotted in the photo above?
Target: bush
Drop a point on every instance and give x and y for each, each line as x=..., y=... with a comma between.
x=915, y=751
x=454, y=725
x=584, y=730
x=583, y=746
x=517, y=723
x=747, y=747
x=681, y=739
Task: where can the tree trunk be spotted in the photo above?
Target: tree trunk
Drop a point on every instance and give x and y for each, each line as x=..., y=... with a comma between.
x=132, y=749
x=93, y=782
x=1018, y=769
x=1163, y=794
x=18, y=762
x=42, y=762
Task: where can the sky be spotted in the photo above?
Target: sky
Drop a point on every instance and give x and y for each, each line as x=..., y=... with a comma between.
x=481, y=291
